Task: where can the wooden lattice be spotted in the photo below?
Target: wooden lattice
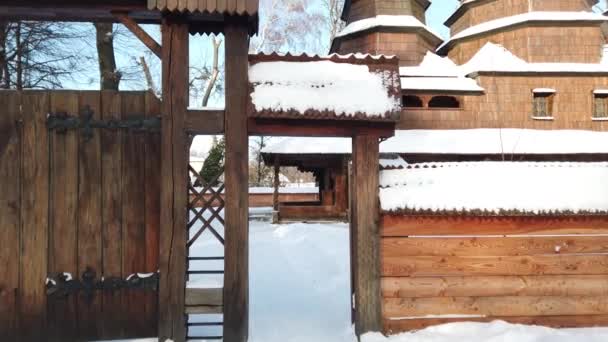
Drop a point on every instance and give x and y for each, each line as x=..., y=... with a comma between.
x=208, y=197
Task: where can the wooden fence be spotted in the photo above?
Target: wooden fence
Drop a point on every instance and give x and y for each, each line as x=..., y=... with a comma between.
x=70, y=202
x=534, y=270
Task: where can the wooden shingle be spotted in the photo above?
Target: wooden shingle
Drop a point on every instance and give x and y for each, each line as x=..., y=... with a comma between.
x=229, y=7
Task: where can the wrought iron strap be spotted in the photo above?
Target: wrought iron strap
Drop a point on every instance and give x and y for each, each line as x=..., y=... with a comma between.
x=62, y=122
x=64, y=285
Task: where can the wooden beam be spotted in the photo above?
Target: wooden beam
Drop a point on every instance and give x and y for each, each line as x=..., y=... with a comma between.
x=366, y=236
x=142, y=35
x=275, y=194
x=205, y=122
x=173, y=200
x=236, y=277
x=319, y=128
x=204, y=297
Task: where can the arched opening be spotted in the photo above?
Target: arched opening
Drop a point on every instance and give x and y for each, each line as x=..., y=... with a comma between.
x=411, y=101
x=444, y=102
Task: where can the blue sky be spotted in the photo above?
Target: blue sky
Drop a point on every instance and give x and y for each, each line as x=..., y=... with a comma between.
x=439, y=11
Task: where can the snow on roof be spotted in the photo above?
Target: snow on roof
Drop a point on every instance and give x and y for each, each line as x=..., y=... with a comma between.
x=523, y=18
x=601, y=91
x=543, y=90
x=436, y=73
x=464, y=141
x=497, y=187
x=386, y=21
x=322, y=85
x=392, y=163
x=496, y=58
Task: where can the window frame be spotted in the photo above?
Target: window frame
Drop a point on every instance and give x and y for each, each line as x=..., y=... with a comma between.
x=545, y=98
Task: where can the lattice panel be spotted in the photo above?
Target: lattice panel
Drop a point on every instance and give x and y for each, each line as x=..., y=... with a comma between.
x=206, y=204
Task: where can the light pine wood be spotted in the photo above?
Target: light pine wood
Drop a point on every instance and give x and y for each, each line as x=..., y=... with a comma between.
x=495, y=265
x=480, y=246
x=488, y=286
x=404, y=225
x=495, y=306
x=204, y=297
x=174, y=173
x=236, y=263
x=365, y=234
x=200, y=310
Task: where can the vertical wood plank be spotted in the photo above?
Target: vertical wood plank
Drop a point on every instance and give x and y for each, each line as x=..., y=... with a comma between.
x=63, y=208
x=111, y=187
x=89, y=217
x=133, y=211
x=34, y=213
x=275, y=194
x=174, y=172
x=9, y=212
x=152, y=199
x=368, y=316
x=236, y=277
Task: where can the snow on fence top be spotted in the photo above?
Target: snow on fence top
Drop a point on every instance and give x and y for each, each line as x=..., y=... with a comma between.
x=386, y=21
x=528, y=17
x=497, y=188
x=360, y=87
x=392, y=162
x=462, y=141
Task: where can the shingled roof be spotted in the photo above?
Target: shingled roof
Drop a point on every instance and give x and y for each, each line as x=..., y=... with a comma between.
x=230, y=7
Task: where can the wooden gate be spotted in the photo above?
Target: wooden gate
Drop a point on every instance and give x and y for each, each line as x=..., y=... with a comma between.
x=82, y=199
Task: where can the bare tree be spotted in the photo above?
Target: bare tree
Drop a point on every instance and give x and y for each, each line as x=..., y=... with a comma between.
x=215, y=71
x=259, y=173
x=148, y=74
x=333, y=8
x=108, y=72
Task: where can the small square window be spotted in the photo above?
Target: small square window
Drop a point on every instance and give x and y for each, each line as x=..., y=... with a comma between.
x=600, y=105
x=542, y=106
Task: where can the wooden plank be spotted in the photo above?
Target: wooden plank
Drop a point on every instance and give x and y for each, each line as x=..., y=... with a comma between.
x=174, y=173
x=404, y=225
x=34, y=213
x=422, y=266
x=133, y=211
x=318, y=128
x=392, y=326
x=496, y=306
x=111, y=187
x=63, y=246
x=10, y=183
x=236, y=263
x=366, y=268
x=142, y=35
x=204, y=297
x=482, y=246
x=152, y=199
x=205, y=122
x=200, y=310
x=489, y=286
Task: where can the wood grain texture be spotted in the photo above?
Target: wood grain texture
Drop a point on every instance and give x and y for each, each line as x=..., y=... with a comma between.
x=174, y=171
x=489, y=286
x=404, y=225
x=236, y=263
x=204, y=297
x=10, y=160
x=495, y=265
x=34, y=214
x=111, y=203
x=63, y=245
x=366, y=239
x=496, y=306
x=488, y=246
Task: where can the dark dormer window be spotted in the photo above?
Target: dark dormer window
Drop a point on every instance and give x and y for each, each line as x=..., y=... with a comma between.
x=600, y=102
x=412, y=101
x=444, y=102
x=542, y=106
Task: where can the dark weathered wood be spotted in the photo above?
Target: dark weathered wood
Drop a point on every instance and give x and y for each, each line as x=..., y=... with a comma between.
x=111, y=203
x=174, y=173
x=405, y=225
x=205, y=122
x=10, y=183
x=89, y=218
x=63, y=318
x=142, y=35
x=152, y=202
x=34, y=215
x=318, y=128
x=204, y=297
x=275, y=193
x=236, y=277
x=133, y=210
x=366, y=234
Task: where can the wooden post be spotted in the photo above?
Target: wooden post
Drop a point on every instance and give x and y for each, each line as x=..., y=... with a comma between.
x=275, y=194
x=236, y=267
x=366, y=240
x=174, y=172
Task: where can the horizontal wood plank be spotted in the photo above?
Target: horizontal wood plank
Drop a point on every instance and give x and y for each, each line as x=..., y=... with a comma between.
x=404, y=225
x=490, y=265
x=197, y=297
x=577, y=285
x=495, y=306
x=204, y=309
x=393, y=326
x=487, y=246
x=205, y=122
